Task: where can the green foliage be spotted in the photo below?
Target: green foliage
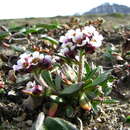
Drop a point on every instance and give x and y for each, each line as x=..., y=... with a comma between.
x=58, y=124
x=69, y=111
x=58, y=81
x=2, y=91
x=100, y=79
x=3, y=35
x=39, y=28
x=62, y=85
x=48, y=26
x=69, y=90
x=50, y=39
x=48, y=78
x=110, y=101
x=127, y=119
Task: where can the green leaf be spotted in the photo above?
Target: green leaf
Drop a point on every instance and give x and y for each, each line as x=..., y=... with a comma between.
x=48, y=26
x=58, y=82
x=16, y=29
x=84, y=98
x=127, y=119
x=2, y=91
x=69, y=111
x=107, y=90
x=110, y=101
x=50, y=39
x=96, y=107
x=48, y=78
x=87, y=67
x=91, y=73
x=71, y=89
x=58, y=124
x=101, y=78
x=128, y=53
x=3, y=35
x=23, y=79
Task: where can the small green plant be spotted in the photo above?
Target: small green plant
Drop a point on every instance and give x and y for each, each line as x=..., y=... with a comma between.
x=64, y=78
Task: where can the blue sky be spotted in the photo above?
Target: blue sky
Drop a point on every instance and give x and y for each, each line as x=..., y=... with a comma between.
x=48, y=8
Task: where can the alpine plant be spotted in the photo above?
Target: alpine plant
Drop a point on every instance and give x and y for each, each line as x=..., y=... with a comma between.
x=87, y=38
x=29, y=61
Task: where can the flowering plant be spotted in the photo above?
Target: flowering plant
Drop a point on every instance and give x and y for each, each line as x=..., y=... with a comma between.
x=86, y=38
x=29, y=61
x=64, y=78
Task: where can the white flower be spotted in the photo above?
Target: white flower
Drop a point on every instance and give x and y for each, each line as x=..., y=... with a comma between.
x=87, y=37
x=32, y=88
x=22, y=63
x=84, y=42
x=78, y=36
x=48, y=57
x=63, y=39
x=68, y=44
x=73, y=47
x=17, y=67
x=96, y=40
x=25, y=55
x=36, y=57
x=30, y=84
x=89, y=30
x=70, y=34
x=64, y=50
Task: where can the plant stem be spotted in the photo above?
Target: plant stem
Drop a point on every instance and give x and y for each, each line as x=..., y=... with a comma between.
x=81, y=66
x=40, y=80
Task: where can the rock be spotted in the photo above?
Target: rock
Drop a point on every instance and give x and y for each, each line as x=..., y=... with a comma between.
x=32, y=102
x=98, y=120
x=29, y=122
x=122, y=118
x=21, y=118
x=38, y=125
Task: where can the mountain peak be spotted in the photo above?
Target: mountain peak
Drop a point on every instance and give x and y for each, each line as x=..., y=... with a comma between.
x=108, y=8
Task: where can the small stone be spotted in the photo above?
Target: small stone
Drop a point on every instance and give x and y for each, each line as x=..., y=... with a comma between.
x=29, y=122
x=122, y=118
x=98, y=120
x=119, y=110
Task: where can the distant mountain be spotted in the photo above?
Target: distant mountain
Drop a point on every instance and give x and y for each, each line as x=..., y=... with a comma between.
x=107, y=8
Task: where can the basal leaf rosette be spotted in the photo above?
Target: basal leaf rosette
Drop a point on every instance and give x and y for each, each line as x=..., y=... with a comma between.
x=29, y=61
x=87, y=38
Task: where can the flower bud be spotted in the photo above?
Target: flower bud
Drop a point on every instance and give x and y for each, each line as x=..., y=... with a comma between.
x=53, y=109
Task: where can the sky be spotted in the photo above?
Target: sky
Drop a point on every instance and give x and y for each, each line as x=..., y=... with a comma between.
x=48, y=8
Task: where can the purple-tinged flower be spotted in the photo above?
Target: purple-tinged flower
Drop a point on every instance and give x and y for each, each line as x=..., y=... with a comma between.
x=89, y=31
x=36, y=58
x=30, y=61
x=68, y=51
x=89, y=49
x=46, y=62
x=86, y=38
x=23, y=63
x=33, y=89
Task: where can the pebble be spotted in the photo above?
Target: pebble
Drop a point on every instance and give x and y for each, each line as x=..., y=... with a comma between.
x=122, y=118
x=29, y=122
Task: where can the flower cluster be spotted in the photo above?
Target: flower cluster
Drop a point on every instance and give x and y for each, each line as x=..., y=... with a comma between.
x=29, y=61
x=32, y=88
x=86, y=38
